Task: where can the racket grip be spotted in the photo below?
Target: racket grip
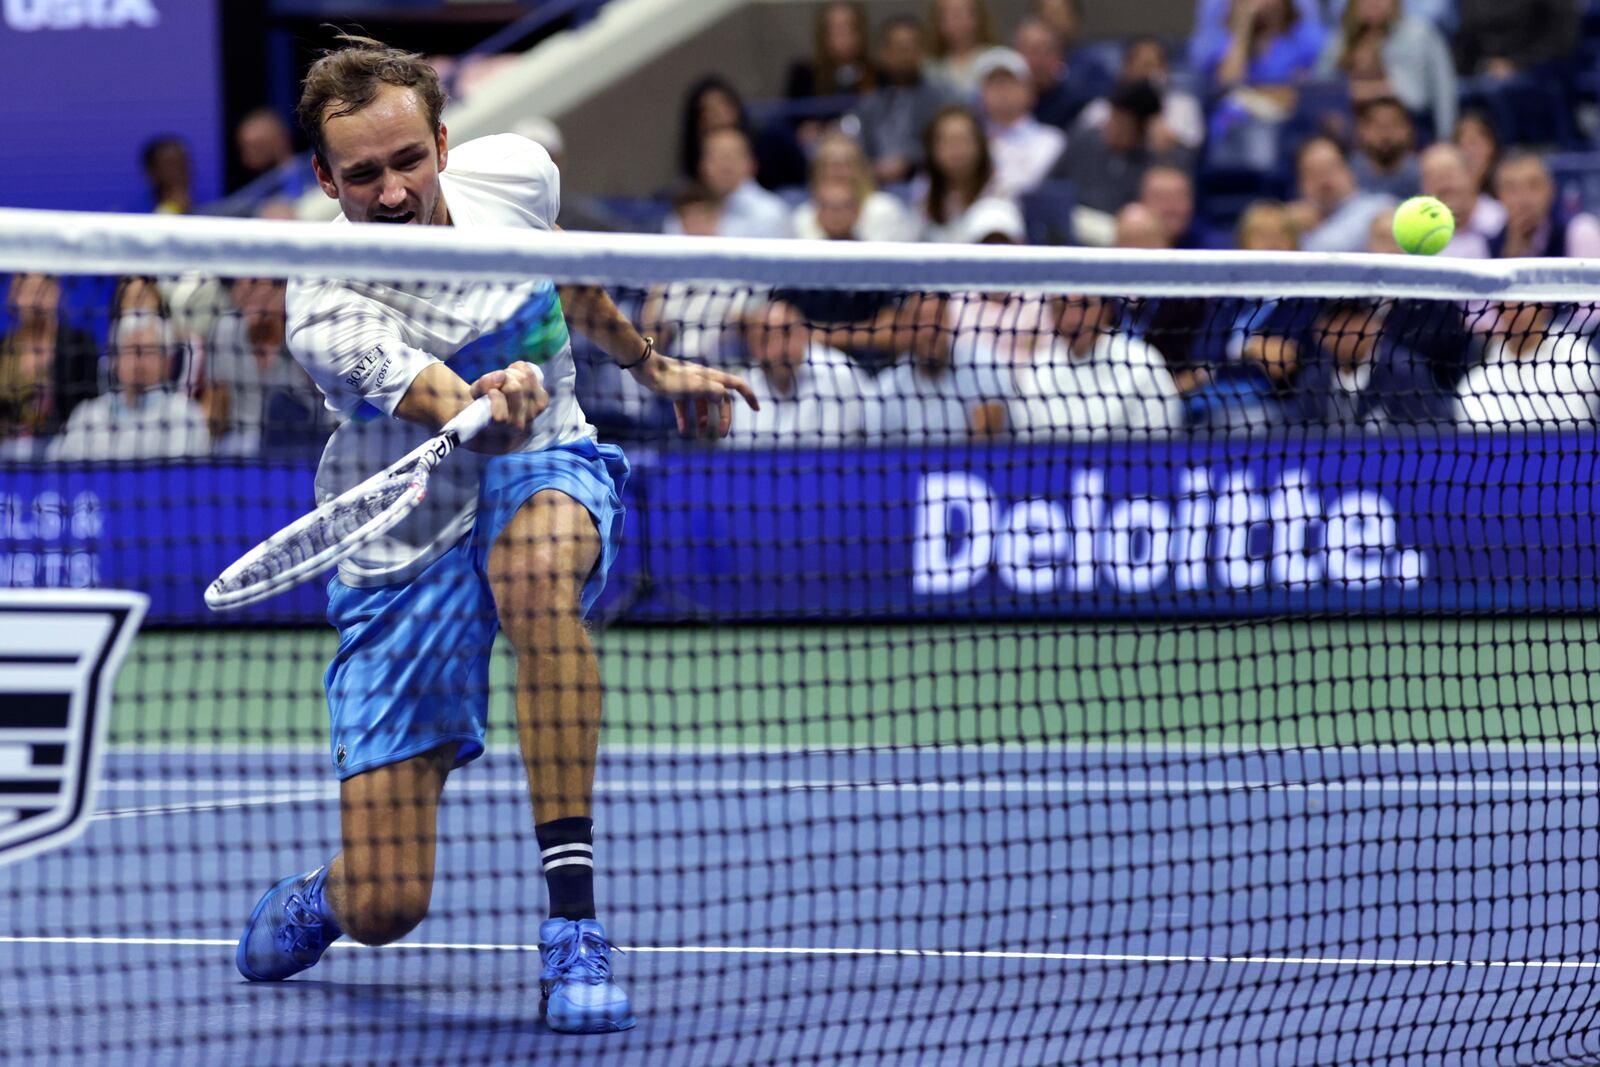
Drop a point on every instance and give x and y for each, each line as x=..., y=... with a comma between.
x=470, y=422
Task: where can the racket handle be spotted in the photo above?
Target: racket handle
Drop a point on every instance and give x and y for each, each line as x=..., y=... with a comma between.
x=467, y=425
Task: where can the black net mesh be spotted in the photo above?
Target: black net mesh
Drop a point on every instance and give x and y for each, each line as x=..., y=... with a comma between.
x=1033, y=679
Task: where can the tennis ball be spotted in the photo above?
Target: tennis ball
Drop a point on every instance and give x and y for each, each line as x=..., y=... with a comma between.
x=1423, y=225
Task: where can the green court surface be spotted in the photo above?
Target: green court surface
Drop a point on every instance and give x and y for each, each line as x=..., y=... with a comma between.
x=1271, y=683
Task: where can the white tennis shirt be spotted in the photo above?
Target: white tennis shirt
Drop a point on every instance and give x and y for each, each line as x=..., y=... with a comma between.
x=363, y=344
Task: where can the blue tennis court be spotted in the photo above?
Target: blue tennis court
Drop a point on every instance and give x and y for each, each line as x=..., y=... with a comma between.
x=1164, y=905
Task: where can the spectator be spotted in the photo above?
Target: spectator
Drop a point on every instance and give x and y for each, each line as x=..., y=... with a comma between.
x=810, y=394
x=1093, y=380
x=1138, y=227
x=1532, y=377
x=166, y=170
x=839, y=66
x=1055, y=100
x=963, y=33
x=1444, y=173
x=1023, y=148
x=1263, y=43
x=882, y=216
x=1436, y=330
x=1332, y=213
x=142, y=419
x=728, y=170
x=266, y=146
x=583, y=213
x=890, y=120
x=1417, y=68
x=1535, y=224
x=1106, y=165
x=940, y=392
x=254, y=395
x=859, y=322
x=1359, y=377
x=713, y=104
x=1256, y=62
x=1501, y=38
x=1268, y=226
x=1168, y=193
x=1386, y=149
x=1004, y=326
x=1181, y=123
x=1480, y=146
x=47, y=366
x=960, y=173
x=696, y=321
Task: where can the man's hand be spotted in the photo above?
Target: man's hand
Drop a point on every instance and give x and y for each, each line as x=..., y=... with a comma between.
x=516, y=397
x=701, y=397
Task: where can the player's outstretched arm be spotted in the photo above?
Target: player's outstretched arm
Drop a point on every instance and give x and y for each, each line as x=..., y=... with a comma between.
x=516, y=397
x=702, y=397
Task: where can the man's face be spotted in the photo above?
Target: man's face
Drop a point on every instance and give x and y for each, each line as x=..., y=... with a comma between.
x=1006, y=98
x=1519, y=321
x=169, y=167
x=1526, y=191
x=263, y=143
x=838, y=210
x=141, y=362
x=781, y=338
x=1123, y=131
x=1138, y=227
x=1444, y=175
x=1347, y=337
x=1325, y=179
x=725, y=162
x=1384, y=134
x=901, y=55
x=1078, y=317
x=383, y=162
x=1170, y=199
x=1037, y=45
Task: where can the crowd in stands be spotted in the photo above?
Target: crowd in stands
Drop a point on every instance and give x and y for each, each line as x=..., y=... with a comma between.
x=1280, y=125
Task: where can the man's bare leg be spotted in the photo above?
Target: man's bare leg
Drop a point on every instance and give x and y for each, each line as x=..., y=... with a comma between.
x=379, y=886
x=537, y=569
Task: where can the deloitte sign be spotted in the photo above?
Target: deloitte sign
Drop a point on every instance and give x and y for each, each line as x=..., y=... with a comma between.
x=1217, y=530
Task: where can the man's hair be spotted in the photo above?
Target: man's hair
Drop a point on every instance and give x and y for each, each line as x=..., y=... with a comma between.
x=693, y=194
x=1320, y=138
x=1367, y=107
x=152, y=148
x=347, y=79
x=903, y=22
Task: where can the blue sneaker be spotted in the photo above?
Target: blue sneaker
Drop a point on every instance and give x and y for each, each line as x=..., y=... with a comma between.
x=579, y=995
x=286, y=933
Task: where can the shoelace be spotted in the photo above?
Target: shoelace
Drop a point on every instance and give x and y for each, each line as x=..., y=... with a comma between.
x=303, y=932
x=568, y=961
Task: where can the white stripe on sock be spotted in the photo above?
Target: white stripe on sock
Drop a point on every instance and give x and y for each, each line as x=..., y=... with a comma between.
x=570, y=861
x=559, y=849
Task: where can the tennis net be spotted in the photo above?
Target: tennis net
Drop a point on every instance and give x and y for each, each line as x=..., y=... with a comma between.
x=1138, y=659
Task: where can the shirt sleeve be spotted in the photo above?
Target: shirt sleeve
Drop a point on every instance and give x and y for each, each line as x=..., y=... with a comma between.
x=352, y=347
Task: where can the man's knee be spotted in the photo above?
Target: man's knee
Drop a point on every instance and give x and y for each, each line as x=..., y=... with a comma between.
x=378, y=914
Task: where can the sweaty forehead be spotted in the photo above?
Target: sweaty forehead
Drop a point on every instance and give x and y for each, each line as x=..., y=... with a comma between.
x=395, y=118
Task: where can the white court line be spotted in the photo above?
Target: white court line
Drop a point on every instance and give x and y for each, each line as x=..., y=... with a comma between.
x=305, y=794
x=905, y=953
x=231, y=748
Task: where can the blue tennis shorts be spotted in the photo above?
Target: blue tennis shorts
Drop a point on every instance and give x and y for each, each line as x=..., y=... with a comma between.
x=412, y=669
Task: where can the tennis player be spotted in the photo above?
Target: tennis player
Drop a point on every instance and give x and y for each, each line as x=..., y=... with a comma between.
x=517, y=536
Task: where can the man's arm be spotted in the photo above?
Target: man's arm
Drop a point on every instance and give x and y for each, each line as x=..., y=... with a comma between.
x=701, y=396
x=517, y=396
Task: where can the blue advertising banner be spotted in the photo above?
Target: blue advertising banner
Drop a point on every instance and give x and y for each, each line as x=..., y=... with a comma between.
x=85, y=83
x=1480, y=523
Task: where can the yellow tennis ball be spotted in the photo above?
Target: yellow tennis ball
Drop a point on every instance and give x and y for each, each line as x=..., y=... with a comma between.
x=1423, y=225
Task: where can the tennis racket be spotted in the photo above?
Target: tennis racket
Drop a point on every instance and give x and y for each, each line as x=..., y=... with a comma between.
x=337, y=529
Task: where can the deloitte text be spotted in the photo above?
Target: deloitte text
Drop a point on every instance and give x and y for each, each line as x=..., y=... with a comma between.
x=1217, y=530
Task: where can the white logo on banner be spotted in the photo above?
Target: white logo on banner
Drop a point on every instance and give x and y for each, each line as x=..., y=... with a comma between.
x=29, y=15
x=1220, y=532
x=59, y=655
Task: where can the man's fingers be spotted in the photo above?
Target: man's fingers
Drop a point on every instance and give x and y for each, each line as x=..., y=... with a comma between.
x=740, y=386
x=727, y=419
x=683, y=422
x=498, y=411
x=492, y=380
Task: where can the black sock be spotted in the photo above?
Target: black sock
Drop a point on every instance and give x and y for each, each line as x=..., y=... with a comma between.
x=566, y=848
